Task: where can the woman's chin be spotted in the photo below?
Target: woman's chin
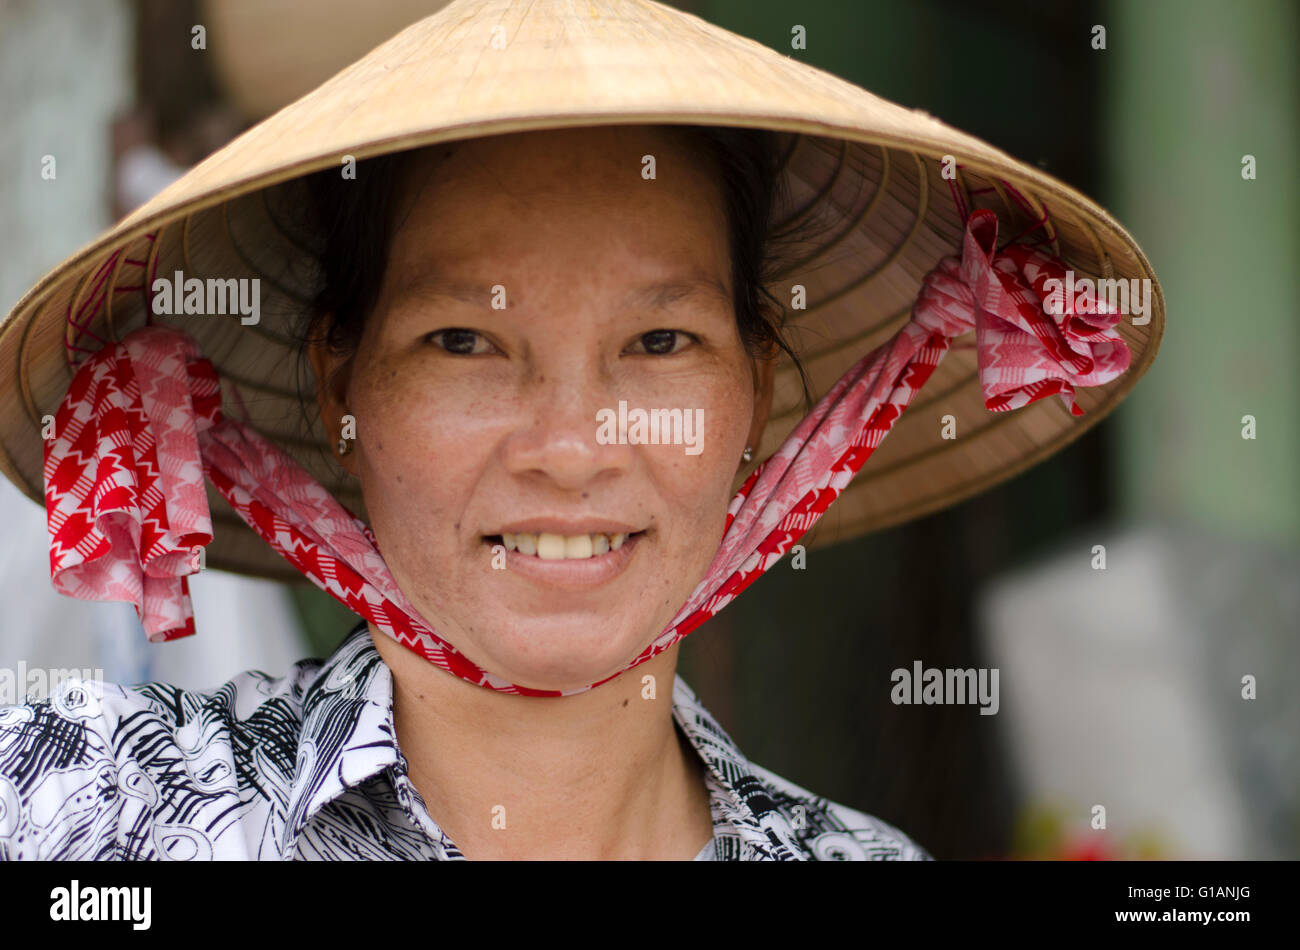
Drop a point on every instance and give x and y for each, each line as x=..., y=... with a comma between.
x=557, y=660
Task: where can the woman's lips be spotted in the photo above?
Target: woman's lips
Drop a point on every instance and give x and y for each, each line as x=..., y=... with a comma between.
x=571, y=573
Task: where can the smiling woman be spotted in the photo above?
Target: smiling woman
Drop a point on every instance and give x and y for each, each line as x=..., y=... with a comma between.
x=476, y=352
x=580, y=286
x=593, y=224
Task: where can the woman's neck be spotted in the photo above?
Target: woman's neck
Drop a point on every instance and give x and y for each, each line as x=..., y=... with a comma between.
x=601, y=775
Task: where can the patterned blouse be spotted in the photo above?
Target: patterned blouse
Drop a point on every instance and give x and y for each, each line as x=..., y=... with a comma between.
x=307, y=767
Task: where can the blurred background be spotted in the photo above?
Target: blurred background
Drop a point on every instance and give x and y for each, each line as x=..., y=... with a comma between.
x=1121, y=687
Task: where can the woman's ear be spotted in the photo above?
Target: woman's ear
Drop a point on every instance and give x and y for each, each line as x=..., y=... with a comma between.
x=331, y=398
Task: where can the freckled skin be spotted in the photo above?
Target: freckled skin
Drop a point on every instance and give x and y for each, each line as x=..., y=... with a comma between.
x=451, y=447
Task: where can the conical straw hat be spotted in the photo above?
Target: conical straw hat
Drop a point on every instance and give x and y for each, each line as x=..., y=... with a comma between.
x=483, y=67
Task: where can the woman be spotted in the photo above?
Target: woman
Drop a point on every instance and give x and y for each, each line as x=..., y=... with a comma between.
x=545, y=352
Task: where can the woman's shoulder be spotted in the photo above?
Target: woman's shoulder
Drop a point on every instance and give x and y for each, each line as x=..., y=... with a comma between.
x=829, y=831
x=72, y=765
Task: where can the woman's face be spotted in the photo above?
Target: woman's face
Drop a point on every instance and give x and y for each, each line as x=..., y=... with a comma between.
x=535, y=283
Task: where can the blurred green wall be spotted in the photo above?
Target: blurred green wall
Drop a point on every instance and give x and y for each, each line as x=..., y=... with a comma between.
x=1193, y=86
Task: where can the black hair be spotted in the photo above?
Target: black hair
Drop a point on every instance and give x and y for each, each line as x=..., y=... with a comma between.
x=353, y=222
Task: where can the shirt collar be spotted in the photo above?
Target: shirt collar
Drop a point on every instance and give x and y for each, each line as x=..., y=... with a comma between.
x=348, y=736
x=742, y=802
x=347, y=731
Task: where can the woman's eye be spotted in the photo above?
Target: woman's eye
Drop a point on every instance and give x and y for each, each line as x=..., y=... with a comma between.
x=460, y=342
x=663, y=342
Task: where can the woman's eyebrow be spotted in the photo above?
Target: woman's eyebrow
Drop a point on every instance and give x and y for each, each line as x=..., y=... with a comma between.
x=653, y=295
x=431, y=284
x=664, y=293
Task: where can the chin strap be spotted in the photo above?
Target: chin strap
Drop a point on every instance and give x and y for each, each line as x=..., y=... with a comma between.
x=141, y=425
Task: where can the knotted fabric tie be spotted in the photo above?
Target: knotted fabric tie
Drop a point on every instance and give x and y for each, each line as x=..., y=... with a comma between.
x=141, y=425
x=1024, y=352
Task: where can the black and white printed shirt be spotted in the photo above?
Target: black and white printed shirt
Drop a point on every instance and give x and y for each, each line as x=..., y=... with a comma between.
x=307, y=767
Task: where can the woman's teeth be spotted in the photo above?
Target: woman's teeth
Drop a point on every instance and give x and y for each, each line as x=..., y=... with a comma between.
x=558, y=547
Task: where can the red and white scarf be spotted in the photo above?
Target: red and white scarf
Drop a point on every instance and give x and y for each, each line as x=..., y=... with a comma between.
x=141, y=425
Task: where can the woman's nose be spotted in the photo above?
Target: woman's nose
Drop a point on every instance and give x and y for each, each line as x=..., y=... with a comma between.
x=559, y=440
